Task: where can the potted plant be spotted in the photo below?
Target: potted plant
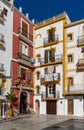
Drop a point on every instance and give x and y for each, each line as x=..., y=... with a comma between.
x=11, y=97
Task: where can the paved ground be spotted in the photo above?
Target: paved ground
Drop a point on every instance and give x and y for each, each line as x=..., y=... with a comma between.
x=32, y=122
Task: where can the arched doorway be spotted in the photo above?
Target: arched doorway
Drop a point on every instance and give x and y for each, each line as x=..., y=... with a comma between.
x=23, y=102
x=37, y=106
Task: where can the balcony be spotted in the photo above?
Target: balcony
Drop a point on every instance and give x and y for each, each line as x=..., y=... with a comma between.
x=54, y=96
x=27, y=37
x=75, y=89
x=2, y=43
x=50, y=78
x=51, y=60
x=2, y=70
x=80, y=64
x=50, y=41
x=80, y=41
x=24, y=59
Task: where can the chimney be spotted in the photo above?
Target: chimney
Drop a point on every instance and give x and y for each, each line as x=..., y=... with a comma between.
x=11, y=2
x=20, y=9
x=27, y=15
x=33, y=20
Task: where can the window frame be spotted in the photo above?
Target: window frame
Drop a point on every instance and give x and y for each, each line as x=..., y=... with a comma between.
x=71, y=61
x=70, y=84
x=70, y=40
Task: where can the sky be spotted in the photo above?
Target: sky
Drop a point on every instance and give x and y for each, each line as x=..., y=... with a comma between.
x=43, y=9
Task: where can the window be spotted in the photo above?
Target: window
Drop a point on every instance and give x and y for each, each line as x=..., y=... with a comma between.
x=51, y=91
x=25, y=49
x=38, y=57
x=46, y=70
x=70, y=81
x=24, y=74
x=51, y=35
x=70, y=58
x=5, y=12
x=38, y=75
x=69, y=37
x=49, y=55
x=24, y=29
x=38, y=90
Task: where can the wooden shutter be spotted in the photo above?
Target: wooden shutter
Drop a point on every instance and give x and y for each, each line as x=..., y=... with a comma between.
x=24, y=29
x=54, y=71
x=52, y=55
x=20, y=47
x=46, y=56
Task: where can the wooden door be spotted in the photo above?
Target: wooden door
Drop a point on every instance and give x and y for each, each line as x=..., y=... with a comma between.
x=70, y=107
x=37, y=106
x=51, y=107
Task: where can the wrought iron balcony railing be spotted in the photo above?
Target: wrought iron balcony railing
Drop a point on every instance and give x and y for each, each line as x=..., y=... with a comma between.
x=54, y=95
x=80, y=40
x=51, y=77
x=51, y=39
x=77, y=88
x=24, y=59
x=54, y=58
x=25, y=34
x=23, y=56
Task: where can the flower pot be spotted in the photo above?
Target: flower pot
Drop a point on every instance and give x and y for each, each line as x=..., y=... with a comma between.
x=10, y=112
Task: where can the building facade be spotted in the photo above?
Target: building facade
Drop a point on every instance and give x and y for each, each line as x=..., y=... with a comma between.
x=49, y=66
x=59, y=67
x=6, y=29
x=74, y=64
x=22, y=60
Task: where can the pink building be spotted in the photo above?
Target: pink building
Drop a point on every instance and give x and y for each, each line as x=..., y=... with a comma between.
x=22, y=60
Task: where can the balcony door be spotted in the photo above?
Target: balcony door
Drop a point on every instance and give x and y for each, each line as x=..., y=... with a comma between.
x=49, y=56
x=50, y=91
x=24, y=29
x=51, y=35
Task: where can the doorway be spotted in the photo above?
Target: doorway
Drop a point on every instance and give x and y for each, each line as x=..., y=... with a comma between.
x=23, y=103
x=37, y=106
x=51, y=107
x=70, y=106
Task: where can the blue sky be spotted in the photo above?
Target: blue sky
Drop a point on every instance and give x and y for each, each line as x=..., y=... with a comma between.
x=43, y=9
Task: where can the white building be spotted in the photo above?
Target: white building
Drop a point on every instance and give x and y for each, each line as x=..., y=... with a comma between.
x=59, y=67
x=74, y=64
x=6, y=29
x=49, y=66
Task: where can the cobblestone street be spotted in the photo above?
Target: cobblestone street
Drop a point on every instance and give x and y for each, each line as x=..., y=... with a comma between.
x=32, y=122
